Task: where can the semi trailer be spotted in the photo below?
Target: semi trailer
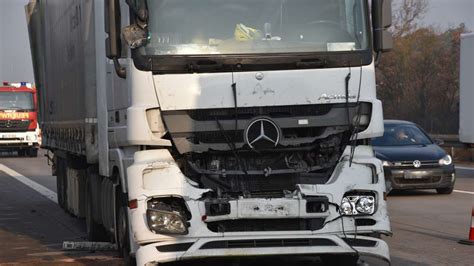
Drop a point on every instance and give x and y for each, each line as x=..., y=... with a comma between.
x=194, y=129
x=466, y=90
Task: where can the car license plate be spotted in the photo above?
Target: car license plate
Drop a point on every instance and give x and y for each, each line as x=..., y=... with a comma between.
x=8, y=136
x=414, y=174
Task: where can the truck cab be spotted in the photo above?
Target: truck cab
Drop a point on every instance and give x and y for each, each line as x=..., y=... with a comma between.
x=18, y=119
x=194, y=129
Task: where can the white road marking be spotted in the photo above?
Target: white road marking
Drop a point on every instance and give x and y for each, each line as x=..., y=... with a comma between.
x=464, y=168
x=464, y=192
x=51, y=195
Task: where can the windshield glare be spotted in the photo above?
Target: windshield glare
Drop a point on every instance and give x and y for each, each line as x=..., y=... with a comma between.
x=401, y=135
x=199, y=27
x=16, y=101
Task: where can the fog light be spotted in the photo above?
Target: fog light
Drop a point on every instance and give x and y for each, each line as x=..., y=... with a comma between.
x=357, y=205
x=31, y=138
x=165, y=222
x=346, y=207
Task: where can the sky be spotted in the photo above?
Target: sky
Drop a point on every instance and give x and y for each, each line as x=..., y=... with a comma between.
x=15, y=57
x=449, y=13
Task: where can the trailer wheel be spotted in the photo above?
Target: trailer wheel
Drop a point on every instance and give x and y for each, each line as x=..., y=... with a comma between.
x=122, y=232
x=61, y=182
x=95, y=231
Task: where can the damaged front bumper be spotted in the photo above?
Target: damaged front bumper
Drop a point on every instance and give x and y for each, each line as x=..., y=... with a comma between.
x=253, y=246
x=259, y=226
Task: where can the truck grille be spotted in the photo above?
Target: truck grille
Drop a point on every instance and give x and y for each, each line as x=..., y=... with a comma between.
x=268, y=243
x=250, y=112
x=14, y=125
x=211, y=129
x=249, y=225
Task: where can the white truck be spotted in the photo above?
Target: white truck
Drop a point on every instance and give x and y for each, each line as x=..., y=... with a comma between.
x=466, y=91
x=189, y=129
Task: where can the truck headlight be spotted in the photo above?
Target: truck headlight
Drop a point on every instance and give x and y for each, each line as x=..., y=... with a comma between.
x=357, y=205
x=31, y=137
x=165, y=222
x=446, y=160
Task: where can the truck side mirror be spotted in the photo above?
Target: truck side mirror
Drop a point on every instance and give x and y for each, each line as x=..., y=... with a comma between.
x=381, y=21
x=113, y=43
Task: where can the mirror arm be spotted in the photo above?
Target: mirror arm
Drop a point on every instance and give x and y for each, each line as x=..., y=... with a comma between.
x=141, y=14
x=121, y=71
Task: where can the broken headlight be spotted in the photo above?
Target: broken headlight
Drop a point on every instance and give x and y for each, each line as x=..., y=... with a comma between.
x=166, y=222
x=357, y=205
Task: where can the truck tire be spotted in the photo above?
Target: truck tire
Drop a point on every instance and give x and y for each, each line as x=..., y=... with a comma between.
x=61, y=182
x=122, y=232
x=32, y=152
x=95, y=231
x=445, y=191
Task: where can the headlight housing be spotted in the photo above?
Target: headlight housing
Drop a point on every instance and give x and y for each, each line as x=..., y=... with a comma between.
x=166, y=222
x=446, y=160
x=387, y=163
x=354, y=204
x=31, y=137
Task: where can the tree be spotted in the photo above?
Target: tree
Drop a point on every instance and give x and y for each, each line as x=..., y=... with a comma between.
x=419, y=79
x=407, y=14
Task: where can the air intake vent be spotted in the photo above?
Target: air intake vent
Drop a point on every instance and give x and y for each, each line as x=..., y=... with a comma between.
x=267, y=243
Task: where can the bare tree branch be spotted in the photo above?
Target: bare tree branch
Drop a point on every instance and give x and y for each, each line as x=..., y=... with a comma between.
x=407, y=14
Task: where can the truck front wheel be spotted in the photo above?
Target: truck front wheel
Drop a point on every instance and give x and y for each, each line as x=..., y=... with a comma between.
x=122, y=232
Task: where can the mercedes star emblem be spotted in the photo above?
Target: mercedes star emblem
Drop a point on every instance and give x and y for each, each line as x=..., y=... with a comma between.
x=416, y=164
x=262, y=133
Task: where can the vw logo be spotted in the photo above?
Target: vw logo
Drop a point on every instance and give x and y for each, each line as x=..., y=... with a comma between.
x=262, y=133
x=416, y=164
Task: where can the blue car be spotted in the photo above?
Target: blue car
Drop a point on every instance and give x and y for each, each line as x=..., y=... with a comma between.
x=412, y=160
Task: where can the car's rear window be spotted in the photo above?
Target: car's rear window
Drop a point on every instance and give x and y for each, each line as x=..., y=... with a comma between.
x=401, y=135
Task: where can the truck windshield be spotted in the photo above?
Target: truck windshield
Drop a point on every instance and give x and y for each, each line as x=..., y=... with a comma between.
x=204, y=27
x=16, y=101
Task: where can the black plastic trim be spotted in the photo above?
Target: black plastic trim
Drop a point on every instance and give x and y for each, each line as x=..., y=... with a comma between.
x=180, y=247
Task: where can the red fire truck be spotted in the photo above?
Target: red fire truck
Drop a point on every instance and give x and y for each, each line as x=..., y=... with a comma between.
x=18, y=118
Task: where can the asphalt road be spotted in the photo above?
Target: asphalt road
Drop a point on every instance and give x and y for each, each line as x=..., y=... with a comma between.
x=426, y=226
